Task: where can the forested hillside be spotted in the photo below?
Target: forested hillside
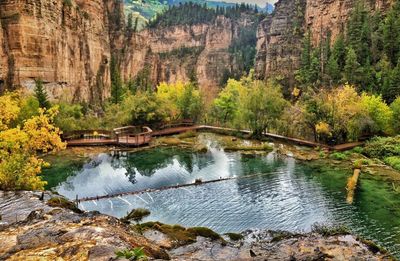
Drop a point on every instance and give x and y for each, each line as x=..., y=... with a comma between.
x=146, y=11
x=366, y=54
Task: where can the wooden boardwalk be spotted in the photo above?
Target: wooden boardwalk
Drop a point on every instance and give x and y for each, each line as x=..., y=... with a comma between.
x=130, y=136
x=126, y=137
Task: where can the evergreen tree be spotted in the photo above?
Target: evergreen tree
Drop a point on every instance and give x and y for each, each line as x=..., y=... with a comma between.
x=333, y=70
x=116, y=82
x=383, y=73
x=339, y=51
x=394, y=85
x=41, y=94
x=358, y=32
x=391, y=34
x=351, y=67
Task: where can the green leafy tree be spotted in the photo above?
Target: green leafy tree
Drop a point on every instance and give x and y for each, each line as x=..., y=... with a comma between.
x=262, y=106
x=395, y=107
x=227, y=103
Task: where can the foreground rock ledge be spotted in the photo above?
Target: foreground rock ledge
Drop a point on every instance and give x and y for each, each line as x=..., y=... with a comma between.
x=30, y=229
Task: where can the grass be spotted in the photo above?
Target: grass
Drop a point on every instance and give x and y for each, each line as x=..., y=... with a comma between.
x=338, y=156
x=180, y=235
x=170, y=141
x=187, y=135
x=328, y=231
x=358, y=164
x=372, y=246
x=59, y=202
x=234, y=236
x=393, y=161
x=137, y=215
x=241, y=147
x=280, y=235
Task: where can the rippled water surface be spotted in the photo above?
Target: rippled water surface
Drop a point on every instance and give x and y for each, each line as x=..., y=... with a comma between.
x=285, y=195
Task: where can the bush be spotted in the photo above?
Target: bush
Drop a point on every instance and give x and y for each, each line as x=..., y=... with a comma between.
x=383, y=147
x=134, y=254
x=358, y=164
x=358, y=150
x=393, y=161
x=137, y=215
x=338, y=156
x=234, y=236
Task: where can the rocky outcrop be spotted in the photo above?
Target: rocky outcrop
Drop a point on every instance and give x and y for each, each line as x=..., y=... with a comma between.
x=279, y=41
x=178, y=53
x=38, y=226
x=65, y=43
x=33, y=230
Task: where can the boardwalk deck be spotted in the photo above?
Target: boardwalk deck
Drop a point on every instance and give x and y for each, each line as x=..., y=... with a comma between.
x=142, y=140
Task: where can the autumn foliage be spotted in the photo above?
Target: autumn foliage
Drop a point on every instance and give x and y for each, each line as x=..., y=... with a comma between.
x=20, y=142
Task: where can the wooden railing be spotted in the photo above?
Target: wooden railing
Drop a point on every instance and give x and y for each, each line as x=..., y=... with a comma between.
x=88, y=134
x=175, y=124
x=133, y=134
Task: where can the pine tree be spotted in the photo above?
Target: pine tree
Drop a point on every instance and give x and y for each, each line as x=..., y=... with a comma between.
x=351, y=67
x=41, y=94
x=391, y=34
x=394, y=85
x=339, y=51
x=333, y=70
x=116, y=82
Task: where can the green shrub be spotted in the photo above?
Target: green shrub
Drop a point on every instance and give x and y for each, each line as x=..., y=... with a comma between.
x=204, y=232
x=393, y=161
x=234, y=236
x=358, y=164
x=133, y=254
x=187, y=135
x=137, y=215
x=358, y=150
x=338, y=156
x=382, y=147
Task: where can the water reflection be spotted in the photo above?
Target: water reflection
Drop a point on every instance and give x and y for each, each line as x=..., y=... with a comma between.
x=287, y=195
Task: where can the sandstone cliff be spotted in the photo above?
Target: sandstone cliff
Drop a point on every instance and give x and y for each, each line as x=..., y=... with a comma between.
x=279, y=41
x=178, y=53
x=65, y=43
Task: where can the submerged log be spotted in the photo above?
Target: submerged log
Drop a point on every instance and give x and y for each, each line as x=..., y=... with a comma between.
x=352, y=185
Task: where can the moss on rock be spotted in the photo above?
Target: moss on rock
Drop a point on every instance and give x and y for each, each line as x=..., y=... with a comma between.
x=63, y=203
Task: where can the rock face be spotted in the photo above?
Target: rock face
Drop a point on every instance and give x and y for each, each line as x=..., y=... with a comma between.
x=69, y=45
x=279, y=41
x=178, y=53
x=34, y=229
x=322, y=16
x=65, y=43
x=280, y=34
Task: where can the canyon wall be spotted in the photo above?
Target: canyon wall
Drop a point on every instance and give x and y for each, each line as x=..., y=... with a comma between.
x=64, y=43
x=179, y=53
x=280, y=34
